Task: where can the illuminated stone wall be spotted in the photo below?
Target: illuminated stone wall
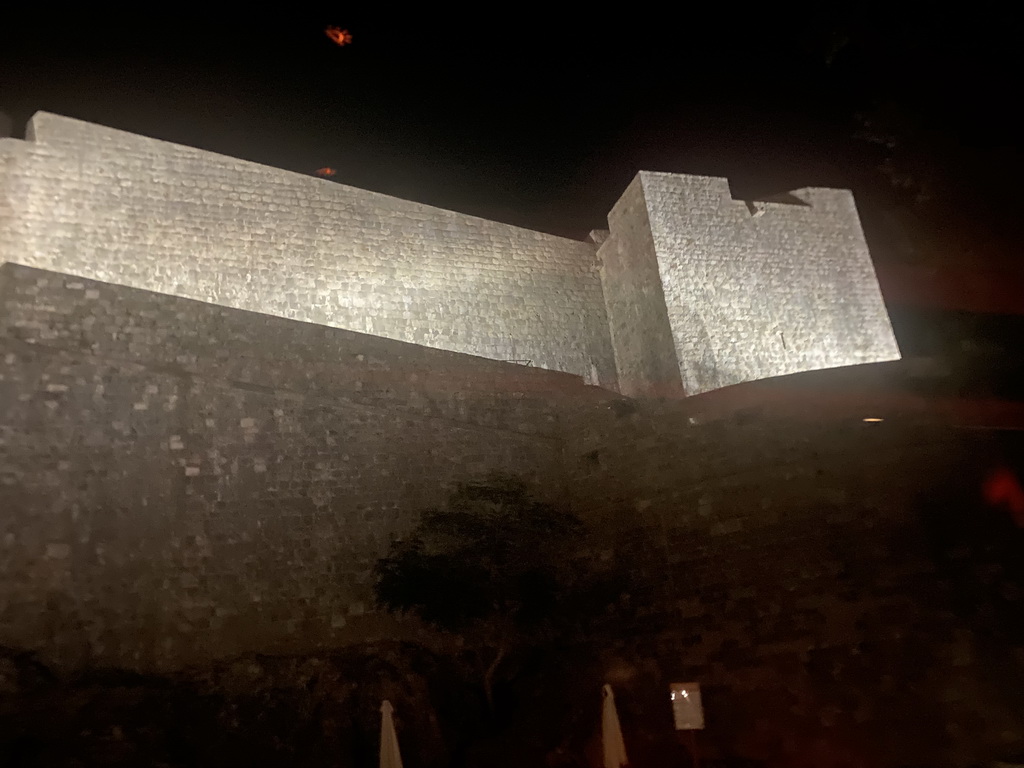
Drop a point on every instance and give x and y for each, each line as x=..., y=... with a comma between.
x=645, y=354
x=96, y=202
x=691, y=291
x=751, y=290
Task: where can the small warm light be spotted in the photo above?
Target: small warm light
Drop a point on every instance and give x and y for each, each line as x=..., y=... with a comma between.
x=325, y=171
x=873, y=419
x=338, y=35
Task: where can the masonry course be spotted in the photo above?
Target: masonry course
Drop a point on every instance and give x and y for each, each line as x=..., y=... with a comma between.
x=174, y=498
x=744, y=296
x=225, y=389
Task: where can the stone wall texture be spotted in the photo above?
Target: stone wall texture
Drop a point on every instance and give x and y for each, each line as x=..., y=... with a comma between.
x=645, y=354
x=172, y=496
x=704, y=291
x=763, y=289
x=101, y=203
x=183, y=484
x=171, y=492
x=820, y=576
x=198, y=468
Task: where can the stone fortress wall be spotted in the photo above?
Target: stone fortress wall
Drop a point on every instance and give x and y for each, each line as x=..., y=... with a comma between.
x=225, y=389
x=183, y=485
x=109, y=205
x=691, y=291
x=181, y=481
x=758, y=289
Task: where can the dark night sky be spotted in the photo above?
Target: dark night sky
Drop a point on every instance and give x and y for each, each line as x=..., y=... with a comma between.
x=522, y=118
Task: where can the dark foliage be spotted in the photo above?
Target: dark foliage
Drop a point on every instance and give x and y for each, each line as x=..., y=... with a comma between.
x=504, y=572
x=497, y=555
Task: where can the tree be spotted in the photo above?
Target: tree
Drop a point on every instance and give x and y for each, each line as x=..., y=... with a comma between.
x=501, y=570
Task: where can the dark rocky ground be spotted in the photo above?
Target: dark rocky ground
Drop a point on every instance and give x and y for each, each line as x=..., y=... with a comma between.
x=269, y=711
x=313, y=711
x=324, y=711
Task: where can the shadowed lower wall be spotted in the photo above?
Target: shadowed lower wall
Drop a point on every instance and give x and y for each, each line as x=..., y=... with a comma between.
x=181, y=482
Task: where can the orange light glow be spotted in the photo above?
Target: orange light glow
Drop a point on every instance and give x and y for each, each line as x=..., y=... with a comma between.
x=325, y=171
x=1003, y=489
x=339, y=35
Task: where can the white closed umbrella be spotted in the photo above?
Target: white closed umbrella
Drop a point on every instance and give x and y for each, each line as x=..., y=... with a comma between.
x=611, y=732
x=390, y=757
